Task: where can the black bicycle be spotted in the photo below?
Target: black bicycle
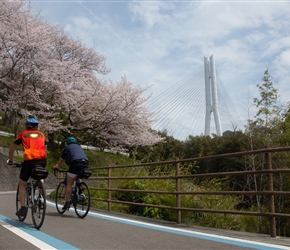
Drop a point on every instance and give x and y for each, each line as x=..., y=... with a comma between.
x=80, y=196
x=35, y=198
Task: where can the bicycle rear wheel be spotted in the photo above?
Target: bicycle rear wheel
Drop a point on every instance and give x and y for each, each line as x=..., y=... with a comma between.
x=60, y=197
x=83, y=205
x=18, y=204
x=39, y=204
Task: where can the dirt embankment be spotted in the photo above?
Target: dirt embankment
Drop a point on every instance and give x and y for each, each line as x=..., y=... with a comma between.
x=9, y=176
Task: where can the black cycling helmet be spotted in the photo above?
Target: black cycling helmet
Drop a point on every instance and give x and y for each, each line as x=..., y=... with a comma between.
x=71, y=140
x=31, y=123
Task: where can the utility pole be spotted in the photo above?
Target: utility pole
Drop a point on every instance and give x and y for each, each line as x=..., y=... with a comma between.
x=211, y=98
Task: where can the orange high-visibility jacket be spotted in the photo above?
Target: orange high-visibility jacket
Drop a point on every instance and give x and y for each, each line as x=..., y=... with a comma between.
x=33, y=142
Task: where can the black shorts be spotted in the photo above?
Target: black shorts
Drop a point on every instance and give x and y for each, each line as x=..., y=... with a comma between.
x=75, y=168
x=27, y=167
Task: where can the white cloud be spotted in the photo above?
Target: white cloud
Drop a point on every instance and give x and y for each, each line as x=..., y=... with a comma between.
x=162, y=42
x=285, y=59
x=151, y=14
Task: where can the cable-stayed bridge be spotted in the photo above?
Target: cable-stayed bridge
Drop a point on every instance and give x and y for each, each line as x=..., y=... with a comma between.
x=194, y=106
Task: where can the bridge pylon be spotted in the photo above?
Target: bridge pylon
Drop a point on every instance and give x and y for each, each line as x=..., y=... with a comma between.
x=211, y=96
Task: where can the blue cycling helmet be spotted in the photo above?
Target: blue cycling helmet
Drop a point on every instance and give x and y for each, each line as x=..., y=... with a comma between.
x=31, y=123
x=71, y=140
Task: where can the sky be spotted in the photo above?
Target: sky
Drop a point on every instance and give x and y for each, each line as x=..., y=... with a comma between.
x=156, y=44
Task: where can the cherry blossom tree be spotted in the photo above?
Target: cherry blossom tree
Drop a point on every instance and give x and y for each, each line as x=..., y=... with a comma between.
x=45, y=73
x=23, y=39
x=120, y=116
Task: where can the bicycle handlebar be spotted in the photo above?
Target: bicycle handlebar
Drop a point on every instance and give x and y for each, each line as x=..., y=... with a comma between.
x=59, y=170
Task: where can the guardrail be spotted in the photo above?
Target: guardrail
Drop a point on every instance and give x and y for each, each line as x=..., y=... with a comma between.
x=109, y=178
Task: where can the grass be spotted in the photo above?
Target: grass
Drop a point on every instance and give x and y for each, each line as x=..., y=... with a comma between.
x=96, y=158
x=6, y=142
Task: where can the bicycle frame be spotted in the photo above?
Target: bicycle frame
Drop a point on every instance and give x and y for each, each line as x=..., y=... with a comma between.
x=81, y=204
x=75, y=191
x=35, y=197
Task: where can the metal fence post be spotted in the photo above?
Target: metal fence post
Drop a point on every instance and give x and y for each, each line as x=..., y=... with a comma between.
x=268, y=160
x=109, y=189
x=177, y=188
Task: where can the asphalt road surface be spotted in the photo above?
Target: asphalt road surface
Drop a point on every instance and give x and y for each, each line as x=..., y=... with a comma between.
x=104, y=230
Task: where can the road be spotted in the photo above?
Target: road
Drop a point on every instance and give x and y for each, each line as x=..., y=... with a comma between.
x=103, y=230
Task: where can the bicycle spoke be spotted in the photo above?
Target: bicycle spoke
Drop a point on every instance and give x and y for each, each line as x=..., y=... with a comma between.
x=18, y=205
x=60, y=197
x=39, y=204
x=82, y=207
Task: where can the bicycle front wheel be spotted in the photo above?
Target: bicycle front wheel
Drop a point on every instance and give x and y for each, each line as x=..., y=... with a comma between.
x=18, y=204
x=83, y=205
x=39, y=204
x=60, y=197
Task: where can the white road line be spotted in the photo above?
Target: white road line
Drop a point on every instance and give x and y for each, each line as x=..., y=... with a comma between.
x=34, y=241
x=191, y=233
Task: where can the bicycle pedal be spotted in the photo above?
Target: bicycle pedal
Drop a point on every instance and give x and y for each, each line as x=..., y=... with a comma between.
x=66, y=207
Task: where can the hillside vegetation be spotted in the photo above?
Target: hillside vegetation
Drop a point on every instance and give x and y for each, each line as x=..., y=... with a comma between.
x=96, y=158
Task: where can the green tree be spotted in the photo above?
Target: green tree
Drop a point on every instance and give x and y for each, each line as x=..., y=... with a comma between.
x=285, y=127
x=266, y=125
x=169, y=149
x=263, y=131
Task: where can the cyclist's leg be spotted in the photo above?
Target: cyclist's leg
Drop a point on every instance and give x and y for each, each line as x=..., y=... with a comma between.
x=24, y=176
x=25, y=173
x=22, y=192
x=70, y=181
x=70, y=178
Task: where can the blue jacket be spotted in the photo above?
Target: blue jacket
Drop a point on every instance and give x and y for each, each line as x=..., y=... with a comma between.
x=73, y=154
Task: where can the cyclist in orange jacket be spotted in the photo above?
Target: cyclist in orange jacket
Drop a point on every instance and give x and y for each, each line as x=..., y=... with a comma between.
x=34, y=153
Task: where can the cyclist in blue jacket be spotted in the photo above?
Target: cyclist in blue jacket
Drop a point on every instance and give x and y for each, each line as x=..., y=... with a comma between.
x=74, y=156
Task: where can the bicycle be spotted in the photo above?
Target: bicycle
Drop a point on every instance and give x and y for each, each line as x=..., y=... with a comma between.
x=80, y=196
x=35, y=198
